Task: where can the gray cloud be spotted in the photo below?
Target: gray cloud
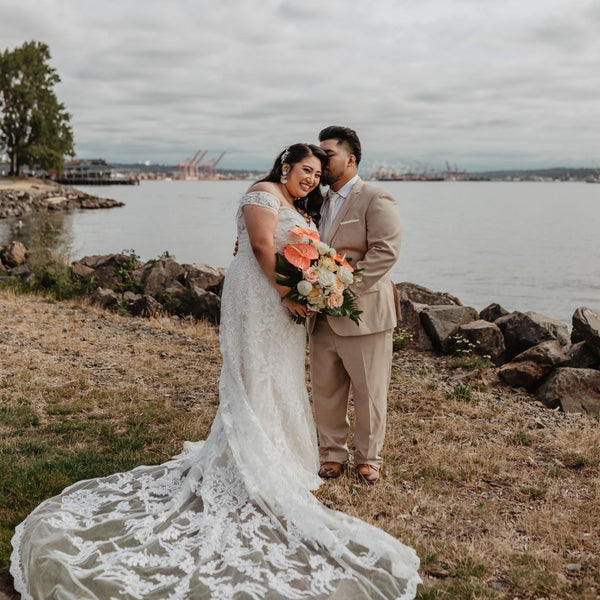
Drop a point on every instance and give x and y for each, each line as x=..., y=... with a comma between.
x=483, y=83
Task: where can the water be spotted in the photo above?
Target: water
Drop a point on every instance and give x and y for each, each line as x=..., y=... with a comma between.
x=527, y=246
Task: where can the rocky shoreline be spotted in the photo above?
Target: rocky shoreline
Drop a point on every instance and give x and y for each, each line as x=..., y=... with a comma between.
x=529, y=351
x=19, y=197
x=532, y=351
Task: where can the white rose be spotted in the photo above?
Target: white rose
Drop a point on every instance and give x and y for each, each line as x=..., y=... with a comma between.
x=304, y=287
x=326, y=278
x=345, y=275
x=323, y=248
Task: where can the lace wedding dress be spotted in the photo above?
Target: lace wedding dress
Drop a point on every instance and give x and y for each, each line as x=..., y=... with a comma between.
x=232, y=517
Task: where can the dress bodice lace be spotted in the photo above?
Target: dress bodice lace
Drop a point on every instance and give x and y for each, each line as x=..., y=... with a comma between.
x=231, y=517
x=287, y=218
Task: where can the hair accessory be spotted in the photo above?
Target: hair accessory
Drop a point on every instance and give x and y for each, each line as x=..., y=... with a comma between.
x=285, y=154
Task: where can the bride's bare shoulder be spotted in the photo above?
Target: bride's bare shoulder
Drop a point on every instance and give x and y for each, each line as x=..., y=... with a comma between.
x=265, y=186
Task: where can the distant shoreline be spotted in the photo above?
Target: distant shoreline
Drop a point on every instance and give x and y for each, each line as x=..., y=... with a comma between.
x=19, y=197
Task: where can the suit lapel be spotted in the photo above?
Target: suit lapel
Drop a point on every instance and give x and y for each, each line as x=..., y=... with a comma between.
x=350, y=199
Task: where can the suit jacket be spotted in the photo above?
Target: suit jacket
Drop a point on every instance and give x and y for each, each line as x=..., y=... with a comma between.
x=368, y=230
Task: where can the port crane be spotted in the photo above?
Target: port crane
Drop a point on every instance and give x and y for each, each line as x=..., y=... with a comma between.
x=192, y=168
x=209, y=168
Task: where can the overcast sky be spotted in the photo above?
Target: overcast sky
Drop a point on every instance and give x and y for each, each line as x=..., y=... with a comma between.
x=484, y=84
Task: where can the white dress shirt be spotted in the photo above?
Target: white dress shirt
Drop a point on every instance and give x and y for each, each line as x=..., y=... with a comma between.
x=331, y=209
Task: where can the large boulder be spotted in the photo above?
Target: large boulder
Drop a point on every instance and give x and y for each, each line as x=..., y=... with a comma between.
x=206, y=305
x=176, y=298
x=105, y=297
x=423, y=295
x=81, y=272
x=586, y=323
x=532, y=365
x=486, y=338
x=14, y=254
x=411, y=321
x=146, y=306
x=574, y=390
x=442, y=322
x=492, y=312
x=204, y=276
x=525, y=330
x=158, y=275
x=109, y=269
x=581, y=356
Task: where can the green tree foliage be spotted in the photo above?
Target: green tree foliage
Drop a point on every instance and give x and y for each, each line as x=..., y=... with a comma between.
x=34, y=125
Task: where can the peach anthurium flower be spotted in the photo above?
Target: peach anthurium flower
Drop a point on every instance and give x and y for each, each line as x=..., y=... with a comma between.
x=341, y=260
x=300, y=255
x=307, y=233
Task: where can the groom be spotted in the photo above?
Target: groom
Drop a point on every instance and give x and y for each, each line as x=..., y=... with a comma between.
x=362, y=222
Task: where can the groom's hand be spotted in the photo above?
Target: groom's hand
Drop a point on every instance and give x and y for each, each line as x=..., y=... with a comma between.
x=236, y=247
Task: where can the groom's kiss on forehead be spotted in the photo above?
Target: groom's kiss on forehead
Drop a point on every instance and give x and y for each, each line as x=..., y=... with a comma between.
x=344, y=156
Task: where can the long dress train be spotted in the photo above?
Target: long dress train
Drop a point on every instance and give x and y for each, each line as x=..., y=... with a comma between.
x=232, y=517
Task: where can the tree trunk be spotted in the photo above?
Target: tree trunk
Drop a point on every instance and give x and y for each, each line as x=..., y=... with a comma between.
x=14, y=165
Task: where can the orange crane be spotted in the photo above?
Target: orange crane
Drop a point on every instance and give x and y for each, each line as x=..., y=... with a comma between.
x=184, y=167
x=209, y=168
x=194, y=173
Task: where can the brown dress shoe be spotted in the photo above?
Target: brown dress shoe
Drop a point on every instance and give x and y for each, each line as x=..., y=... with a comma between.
x=331, y=470
x=368, y=473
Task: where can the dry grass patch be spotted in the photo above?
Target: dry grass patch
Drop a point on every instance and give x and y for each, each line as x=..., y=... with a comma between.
x=499, y=496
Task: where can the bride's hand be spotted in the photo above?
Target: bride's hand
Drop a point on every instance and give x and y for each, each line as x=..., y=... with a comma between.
x=296, y=308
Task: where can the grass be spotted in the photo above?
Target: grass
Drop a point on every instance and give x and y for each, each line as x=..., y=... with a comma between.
x=496, y=493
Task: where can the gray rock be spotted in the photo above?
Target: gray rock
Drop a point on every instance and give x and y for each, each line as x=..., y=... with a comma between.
x=531, y=366
x=146, y=306
x=525, y=330
x=107, y=268
x=411, y=321
x=204, y=276
x=492, y=312
x=176, y=298
x=486, y=338
x=442, y=322
x=206, y=305
x=21, y=271
x=158, y=275
x=130, y=299
x=557, y=329
x=81, y=271
x=574, y=390
x=14, y=254
x=586, y=323
x=423, y=295
x=581, y=356
x=105, y=297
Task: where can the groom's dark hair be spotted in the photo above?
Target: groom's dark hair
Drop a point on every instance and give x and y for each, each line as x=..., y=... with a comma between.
x=344, y=135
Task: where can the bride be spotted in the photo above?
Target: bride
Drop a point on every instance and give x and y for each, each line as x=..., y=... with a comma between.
x=234, y=516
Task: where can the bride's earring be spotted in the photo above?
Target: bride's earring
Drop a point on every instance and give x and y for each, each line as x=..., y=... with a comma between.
x=283, y=177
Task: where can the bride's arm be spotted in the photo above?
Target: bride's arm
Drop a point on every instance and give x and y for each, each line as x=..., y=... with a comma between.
x=261, y=224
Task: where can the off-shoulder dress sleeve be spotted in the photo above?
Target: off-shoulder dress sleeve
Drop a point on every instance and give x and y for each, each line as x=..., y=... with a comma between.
x=264, y=199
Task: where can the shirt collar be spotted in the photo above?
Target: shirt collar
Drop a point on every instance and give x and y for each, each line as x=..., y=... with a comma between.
x=345, y=189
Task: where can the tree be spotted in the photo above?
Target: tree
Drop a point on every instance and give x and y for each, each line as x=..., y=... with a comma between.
x=34, y=125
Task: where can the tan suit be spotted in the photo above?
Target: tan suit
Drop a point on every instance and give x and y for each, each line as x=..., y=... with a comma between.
x=367, y=229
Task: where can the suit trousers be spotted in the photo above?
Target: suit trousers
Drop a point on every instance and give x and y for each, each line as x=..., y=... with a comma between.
x=338, y=362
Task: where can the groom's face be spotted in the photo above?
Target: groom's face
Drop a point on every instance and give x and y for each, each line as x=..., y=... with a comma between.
x=339, y=166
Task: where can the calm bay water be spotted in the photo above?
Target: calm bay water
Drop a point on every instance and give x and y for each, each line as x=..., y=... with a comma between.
x=527, y=246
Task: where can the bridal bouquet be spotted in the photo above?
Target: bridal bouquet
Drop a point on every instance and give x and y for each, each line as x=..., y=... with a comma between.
x=318, y=275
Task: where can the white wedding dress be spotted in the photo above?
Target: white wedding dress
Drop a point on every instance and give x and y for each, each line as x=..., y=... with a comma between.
x=232, y=517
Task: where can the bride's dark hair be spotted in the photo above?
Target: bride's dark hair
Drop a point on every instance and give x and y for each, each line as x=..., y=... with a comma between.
x=311, y=204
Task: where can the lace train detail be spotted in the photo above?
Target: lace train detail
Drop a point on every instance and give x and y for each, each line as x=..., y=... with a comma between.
x=230, y=517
